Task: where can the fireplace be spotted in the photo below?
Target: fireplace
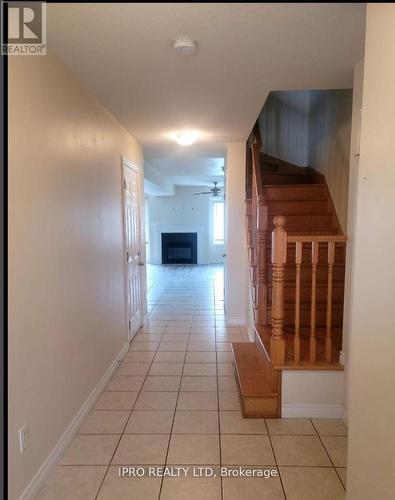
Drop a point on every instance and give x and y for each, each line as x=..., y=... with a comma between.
x=179, y=248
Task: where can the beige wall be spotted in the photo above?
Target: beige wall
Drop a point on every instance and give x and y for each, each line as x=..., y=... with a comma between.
x=371, y=456
x=236, y=245
x=329, y=143
x=66, y=280
x=351, y=214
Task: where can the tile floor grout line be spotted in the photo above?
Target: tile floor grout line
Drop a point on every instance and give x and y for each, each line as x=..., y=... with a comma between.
x=213, y=321
x=108, y=468
x=172, y=426
x=218, y=405
x=130, y=414
x=275, y=459
x=120, y=436
x=326, y=451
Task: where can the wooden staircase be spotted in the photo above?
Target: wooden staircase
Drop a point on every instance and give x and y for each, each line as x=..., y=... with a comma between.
x=297, y=262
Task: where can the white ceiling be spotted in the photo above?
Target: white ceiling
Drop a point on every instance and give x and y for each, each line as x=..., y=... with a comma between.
x=195, y=172
x=123, y=53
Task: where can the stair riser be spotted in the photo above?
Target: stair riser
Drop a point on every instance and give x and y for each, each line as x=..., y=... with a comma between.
x=272, y=178
x=260, y=407
x=306, y=273
x=305, y=294
x=294, y=192
x=306, y=254
x=305, y=223
x=297, y=207
x=305, y=318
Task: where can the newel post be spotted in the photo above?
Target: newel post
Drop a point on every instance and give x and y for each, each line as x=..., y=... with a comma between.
x=279, y=258
x=261, y=260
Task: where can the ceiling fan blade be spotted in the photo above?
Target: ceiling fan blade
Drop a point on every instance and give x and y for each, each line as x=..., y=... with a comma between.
x=204, y=192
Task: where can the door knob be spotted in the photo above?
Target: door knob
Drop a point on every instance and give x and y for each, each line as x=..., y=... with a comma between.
x=224, y=255
x=141, y=263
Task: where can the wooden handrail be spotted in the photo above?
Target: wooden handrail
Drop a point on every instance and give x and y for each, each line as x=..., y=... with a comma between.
x=319, y=238
x=256, y=222
x=257, y=169
x=261, y=219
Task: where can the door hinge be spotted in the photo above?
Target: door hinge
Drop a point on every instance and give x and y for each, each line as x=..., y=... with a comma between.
x=129, y=325
x=127, y=256
x=124, y=184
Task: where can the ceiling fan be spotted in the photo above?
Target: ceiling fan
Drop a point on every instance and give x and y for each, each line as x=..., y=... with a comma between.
x=215, y=192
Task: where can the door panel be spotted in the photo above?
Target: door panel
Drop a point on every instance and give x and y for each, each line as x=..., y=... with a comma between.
x=132, y=247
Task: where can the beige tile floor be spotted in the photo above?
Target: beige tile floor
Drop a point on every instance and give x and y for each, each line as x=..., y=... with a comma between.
x=174, y=401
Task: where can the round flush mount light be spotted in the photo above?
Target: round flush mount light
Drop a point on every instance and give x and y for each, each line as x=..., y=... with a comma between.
x=185, y=138
x=184, y=46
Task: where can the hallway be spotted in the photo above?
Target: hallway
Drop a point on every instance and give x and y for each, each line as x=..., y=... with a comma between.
x=174, y=401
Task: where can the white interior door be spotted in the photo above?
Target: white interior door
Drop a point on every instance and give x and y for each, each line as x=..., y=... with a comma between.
x=132, y=247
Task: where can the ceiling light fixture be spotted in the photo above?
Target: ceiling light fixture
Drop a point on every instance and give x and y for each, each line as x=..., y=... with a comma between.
x=184, y=46
x=185, y=138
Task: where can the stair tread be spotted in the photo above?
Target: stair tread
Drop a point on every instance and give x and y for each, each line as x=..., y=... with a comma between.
x=264, y=334
x=306, y=265
x=285, y=174
x=251, y=368
x=306, y=305
x=291, y=186
x=320, y=284
x=321, y=198
x=301, y=214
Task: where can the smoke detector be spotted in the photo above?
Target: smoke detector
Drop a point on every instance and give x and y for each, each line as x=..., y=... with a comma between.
x=184, y=46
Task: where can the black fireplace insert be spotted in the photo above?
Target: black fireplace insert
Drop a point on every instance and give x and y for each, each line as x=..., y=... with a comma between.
x=179, y=248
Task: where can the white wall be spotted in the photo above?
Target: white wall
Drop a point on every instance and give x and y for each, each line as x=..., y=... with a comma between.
x=188, y=211
x=312, y=394
x=236, y=281
x=155, y=182
x=67, y=319
x=371, y=454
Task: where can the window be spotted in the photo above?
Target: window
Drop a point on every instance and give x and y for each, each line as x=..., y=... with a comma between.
x=218, y=212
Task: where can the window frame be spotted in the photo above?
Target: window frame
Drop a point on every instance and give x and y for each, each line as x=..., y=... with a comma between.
x=218, y=242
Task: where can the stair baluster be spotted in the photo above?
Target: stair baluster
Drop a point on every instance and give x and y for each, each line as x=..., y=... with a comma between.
x=298, y=263
x=328, y=337
x=313, y=339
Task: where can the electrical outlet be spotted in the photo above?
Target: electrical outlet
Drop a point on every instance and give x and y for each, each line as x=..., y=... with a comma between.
x=24, y=437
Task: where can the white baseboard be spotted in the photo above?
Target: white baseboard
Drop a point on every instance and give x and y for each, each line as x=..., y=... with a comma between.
x=235, y=320
x=312, y=411
x=50, y=462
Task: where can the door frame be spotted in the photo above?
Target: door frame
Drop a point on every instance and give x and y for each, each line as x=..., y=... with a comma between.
x=127, y=163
